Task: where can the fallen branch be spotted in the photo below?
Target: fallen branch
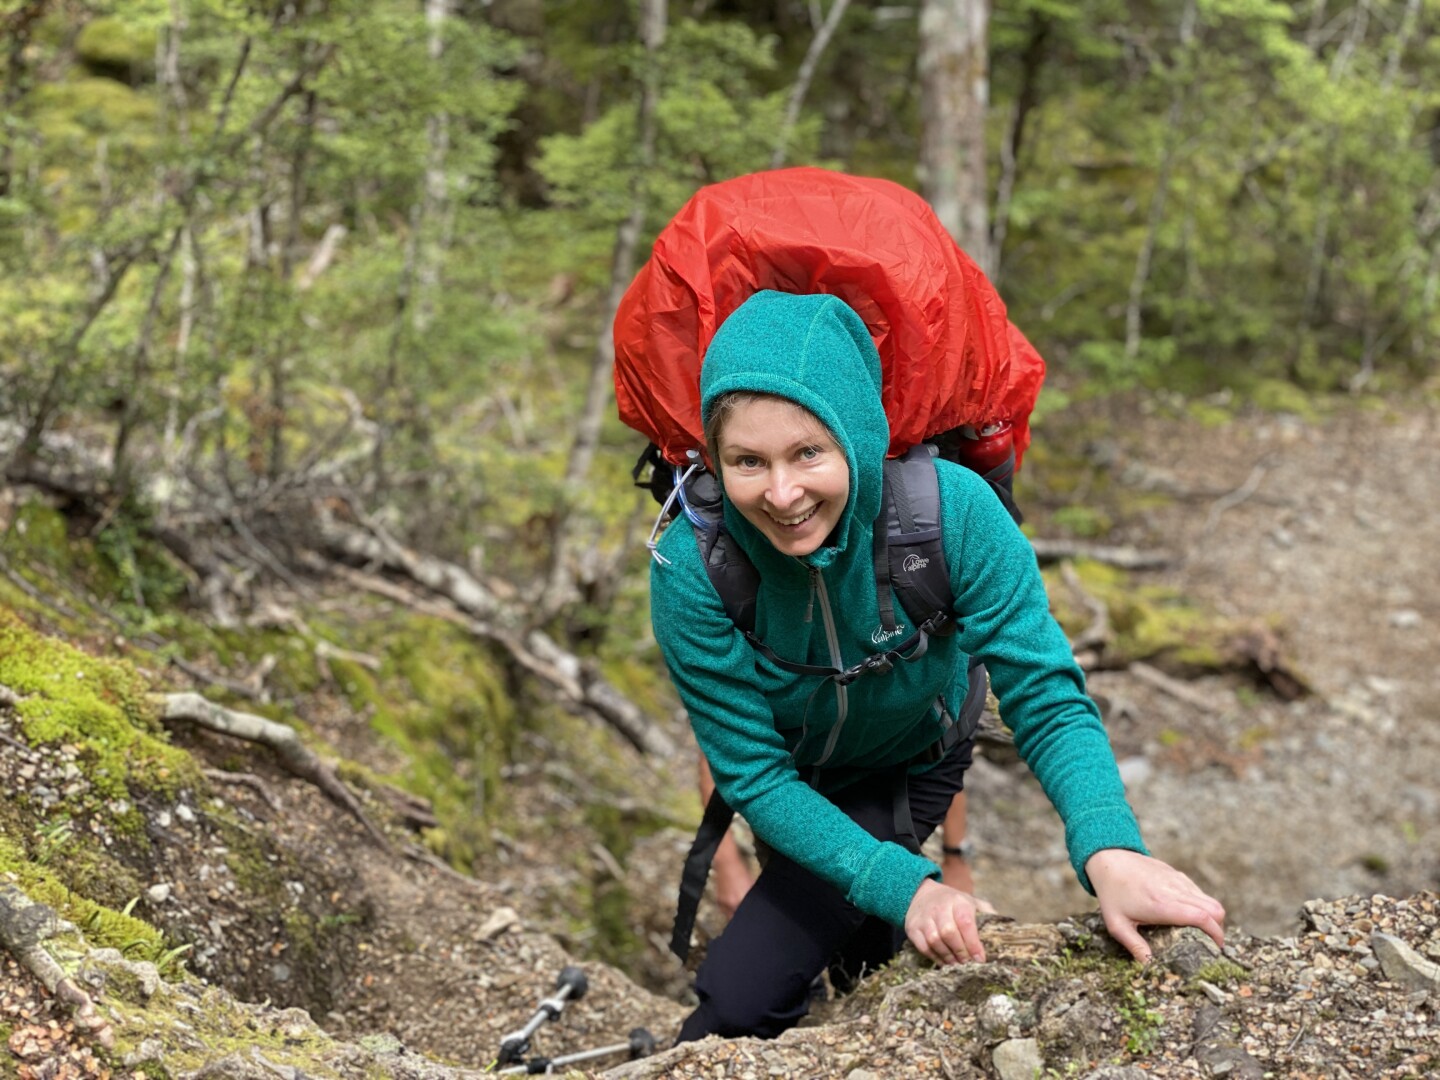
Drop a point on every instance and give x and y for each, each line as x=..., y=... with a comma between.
x=1180, y=691
x=578, y=687
x=24, y=924
x=325, y=652
x=1095, y=637
x=375, y=546
x=295, y=756
x=1126, y=558
x=8, y=697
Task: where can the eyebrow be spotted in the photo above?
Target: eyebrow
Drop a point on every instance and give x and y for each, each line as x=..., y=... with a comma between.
x=820, y=440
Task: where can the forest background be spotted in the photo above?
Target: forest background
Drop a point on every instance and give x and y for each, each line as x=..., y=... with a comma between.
x=265, y=246
x=270, y=262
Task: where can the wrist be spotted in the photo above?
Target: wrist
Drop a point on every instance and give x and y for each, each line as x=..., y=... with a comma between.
x=964, y=850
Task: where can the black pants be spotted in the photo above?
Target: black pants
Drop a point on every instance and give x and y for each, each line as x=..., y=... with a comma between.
x=791, y=925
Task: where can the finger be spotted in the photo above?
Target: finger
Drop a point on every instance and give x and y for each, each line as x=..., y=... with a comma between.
x=1127, y=933
x=970, y=936
x=922, y=944
x=955, y=945
x=946, y=951
x=1214, y=929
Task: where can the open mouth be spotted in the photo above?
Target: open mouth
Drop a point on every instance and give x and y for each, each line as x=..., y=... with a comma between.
x=800, y=519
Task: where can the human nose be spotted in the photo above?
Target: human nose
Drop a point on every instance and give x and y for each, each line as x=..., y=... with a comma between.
x=785, y=489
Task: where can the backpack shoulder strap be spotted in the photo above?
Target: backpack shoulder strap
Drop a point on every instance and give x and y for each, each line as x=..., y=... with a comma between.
x=728, y=567
x=908, y=550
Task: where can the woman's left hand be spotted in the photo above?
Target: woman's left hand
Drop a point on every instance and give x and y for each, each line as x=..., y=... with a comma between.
x=1136, y=890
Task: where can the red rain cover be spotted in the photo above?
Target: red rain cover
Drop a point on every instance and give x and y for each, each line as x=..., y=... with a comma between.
x=949, y=354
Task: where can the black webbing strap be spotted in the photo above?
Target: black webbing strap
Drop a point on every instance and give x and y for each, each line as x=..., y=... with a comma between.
x=880, y=553
x=904, y=820
x=713, y=827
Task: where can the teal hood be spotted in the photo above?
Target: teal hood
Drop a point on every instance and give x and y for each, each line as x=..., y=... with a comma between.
x=813, y=350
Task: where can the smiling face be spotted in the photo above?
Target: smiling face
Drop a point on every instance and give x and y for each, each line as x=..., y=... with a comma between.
x=783, y=471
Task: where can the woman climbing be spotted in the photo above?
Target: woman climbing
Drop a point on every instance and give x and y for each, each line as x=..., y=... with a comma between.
x=841, y=774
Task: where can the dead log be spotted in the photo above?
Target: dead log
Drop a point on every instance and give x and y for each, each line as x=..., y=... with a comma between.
x=297, y=758
x=24, y=924
x=1126, y=558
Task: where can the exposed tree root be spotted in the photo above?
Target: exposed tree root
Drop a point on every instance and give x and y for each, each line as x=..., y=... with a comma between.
x=294, y=755
x=24, y=924
x=250, y=780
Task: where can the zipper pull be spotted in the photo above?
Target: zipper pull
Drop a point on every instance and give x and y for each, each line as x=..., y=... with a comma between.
x=814, y=587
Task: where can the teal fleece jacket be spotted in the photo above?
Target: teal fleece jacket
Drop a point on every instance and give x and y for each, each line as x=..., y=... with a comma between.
x=756, y=723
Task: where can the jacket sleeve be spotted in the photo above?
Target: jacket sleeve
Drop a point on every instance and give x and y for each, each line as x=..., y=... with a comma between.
x=1001, y=603
x=713, y=668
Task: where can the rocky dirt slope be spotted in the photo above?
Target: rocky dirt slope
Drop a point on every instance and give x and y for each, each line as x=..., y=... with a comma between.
x=1301, y=527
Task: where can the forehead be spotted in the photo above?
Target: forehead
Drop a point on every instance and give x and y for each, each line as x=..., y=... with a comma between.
x=771, y=420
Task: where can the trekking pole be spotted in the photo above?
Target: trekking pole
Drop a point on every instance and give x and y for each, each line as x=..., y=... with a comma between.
x=641, y=1044
x=570, y=986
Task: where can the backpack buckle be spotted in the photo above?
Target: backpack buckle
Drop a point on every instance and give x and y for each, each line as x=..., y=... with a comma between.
x=879, y=664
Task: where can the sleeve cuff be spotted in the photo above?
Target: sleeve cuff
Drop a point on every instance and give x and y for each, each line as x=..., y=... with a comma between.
x=886, y=886
x=1114, y=827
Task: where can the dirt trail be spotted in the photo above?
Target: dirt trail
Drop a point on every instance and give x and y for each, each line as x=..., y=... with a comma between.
x=1332, y=527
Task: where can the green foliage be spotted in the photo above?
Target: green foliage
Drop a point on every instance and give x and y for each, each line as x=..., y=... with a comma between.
x=1143, y=1024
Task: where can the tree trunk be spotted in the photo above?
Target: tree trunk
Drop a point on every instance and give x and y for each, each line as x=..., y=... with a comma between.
x=823, y=34
x=437, y=186
x=560, y=588
x=1141, y=277
x=954, y=95
x=1026, y=98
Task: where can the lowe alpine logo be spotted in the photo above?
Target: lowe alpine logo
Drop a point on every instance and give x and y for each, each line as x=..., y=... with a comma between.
x=881, y=635
x=913, y=563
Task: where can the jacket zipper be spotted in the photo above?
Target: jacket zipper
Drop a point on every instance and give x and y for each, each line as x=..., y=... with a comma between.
x=817, y=587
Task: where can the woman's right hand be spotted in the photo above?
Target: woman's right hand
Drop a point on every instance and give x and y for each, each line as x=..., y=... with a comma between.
x=941, y=923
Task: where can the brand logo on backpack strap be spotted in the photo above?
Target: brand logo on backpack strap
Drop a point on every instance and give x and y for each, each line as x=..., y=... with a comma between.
x=913, y=563
x=881, y=635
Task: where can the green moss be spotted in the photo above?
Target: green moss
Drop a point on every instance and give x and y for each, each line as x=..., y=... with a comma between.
x=439, y=701
x=1148, y=622
x=102, y=926
x=111, y=44
x=220, y=1027
x=1082, y=521
x=1210, y=413
x=1220, y=972
x=98, y=706
x=1283, y=396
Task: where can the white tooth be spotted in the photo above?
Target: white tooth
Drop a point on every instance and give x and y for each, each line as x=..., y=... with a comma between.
x=796, y=520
